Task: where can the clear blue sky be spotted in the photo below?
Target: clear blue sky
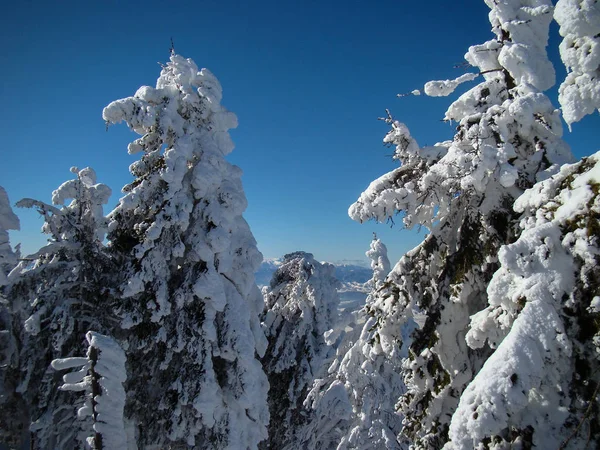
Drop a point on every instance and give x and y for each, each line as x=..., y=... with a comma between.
x=307, y=80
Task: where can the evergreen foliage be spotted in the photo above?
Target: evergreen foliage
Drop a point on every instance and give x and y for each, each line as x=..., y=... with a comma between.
x=188, y=302
x=300, y=307
x=55, y=296
x=507, y=139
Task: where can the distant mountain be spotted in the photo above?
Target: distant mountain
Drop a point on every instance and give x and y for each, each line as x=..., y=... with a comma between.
x=353, y=277
x=350, y=273
x=265, y=271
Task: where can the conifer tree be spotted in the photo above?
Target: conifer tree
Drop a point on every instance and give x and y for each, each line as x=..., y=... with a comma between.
x=380, y=264
x=12, y=418
x=350, y=407
x=55, y=296
x=507, y=139
x=300, y=307
x=189, y=305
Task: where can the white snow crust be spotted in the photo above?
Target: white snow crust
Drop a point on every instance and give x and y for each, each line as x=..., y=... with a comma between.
x=444, y=88
x=579, y=93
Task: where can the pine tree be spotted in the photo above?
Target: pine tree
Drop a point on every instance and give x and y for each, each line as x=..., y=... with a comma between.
x=300, y=307
x=507, y=139
x=55, y=296
x=189, y=305
x=540, y=387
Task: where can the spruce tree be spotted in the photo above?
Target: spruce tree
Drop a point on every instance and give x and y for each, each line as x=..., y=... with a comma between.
x=351, y=407
x=13, y=421
x=55, y=296
x=189, y=305
x=507, y=139
x=300, y=307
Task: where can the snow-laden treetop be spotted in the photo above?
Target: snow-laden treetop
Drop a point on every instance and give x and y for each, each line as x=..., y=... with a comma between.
x=202, y=94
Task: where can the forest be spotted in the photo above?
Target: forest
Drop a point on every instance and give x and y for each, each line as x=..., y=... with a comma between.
x=144, y=328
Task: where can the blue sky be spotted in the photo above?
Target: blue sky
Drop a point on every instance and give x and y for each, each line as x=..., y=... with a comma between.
x=307, y=80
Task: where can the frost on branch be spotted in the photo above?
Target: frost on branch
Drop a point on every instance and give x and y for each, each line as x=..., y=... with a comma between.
x=189, y=303
x=301, y=305
x=508, y=138
x=540, y=387
x=100, y=375
x=579, y=93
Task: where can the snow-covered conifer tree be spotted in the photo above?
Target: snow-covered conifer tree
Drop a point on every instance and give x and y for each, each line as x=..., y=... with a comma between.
x=507, y=139
x=189, y=304
x=579, y=93
x=350, y=407
x=300, y=307
x=12, y=420
x=8, y=221
x=380, y=264
x=540, y=388
x=55, y=296
x=100, y=375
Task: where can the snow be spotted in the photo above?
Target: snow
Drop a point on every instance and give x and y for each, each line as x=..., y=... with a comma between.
x=104, y=365
x=579, y=93
x=446, y=87
x=190, y=272
x=524, y=56
x=508, y=138
x=68, y=363
x=519, y=384
x=526, y=382
x=380, y=264
x=8, y=219
x=483, y=336
x=301, y=307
